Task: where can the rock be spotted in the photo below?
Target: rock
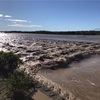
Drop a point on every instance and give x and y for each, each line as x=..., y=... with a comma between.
x=41, y=58
x=51, y=94
x=30, y=51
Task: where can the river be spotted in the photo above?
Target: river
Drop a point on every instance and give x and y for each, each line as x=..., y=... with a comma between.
x=4, y=37
x=81, y=78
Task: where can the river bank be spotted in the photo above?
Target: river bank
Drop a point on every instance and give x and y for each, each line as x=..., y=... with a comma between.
x=39, y=55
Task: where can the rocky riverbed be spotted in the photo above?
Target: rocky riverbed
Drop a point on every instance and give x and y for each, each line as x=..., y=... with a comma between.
x=51, y=55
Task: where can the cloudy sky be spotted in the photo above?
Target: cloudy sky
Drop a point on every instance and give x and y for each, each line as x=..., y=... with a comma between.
x=52, y=15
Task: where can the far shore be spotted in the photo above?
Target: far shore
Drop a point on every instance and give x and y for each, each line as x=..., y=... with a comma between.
x=89, y=32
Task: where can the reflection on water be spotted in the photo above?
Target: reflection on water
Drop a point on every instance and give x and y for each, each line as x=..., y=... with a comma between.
x=81, y=38
x=41, y=96
x=2, y=37
x=82, y=79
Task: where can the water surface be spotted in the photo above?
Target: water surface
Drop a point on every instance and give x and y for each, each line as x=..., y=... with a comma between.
x=41, y=96
x=4, y=37
x=82, y=79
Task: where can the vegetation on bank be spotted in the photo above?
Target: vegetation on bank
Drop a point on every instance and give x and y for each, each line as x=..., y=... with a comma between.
x=92, y=32
x=20, y=85
x=8, y=62
x=17, y=83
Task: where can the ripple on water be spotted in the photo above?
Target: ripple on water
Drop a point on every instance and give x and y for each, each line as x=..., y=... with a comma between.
x=82, y=78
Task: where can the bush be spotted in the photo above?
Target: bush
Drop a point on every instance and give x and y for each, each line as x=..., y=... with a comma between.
x=8, y=62
x=18, y=81
x=19, y=85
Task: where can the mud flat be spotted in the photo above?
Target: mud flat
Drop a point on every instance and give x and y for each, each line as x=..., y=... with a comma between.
x=52, y=64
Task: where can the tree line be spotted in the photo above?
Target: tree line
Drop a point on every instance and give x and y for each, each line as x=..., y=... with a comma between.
x=58, y=32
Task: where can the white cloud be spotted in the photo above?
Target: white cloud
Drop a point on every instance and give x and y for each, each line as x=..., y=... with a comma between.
x=22, y=25
x=7, y=16
x=1, y=15
x=17, y=20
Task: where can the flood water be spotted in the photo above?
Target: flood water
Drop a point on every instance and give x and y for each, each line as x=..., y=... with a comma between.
x=41, y=96
x=19, y=36
x=82, y=79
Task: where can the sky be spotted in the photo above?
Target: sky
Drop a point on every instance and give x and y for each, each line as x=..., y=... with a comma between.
x=50, y=15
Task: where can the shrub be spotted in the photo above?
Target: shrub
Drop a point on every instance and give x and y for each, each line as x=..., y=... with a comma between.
x=8, y=62
x=19, y=85
x=18, y=81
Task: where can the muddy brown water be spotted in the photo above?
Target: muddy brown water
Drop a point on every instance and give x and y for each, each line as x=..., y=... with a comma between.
x=4, y=37
x=41, y=96
x=82, y=79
